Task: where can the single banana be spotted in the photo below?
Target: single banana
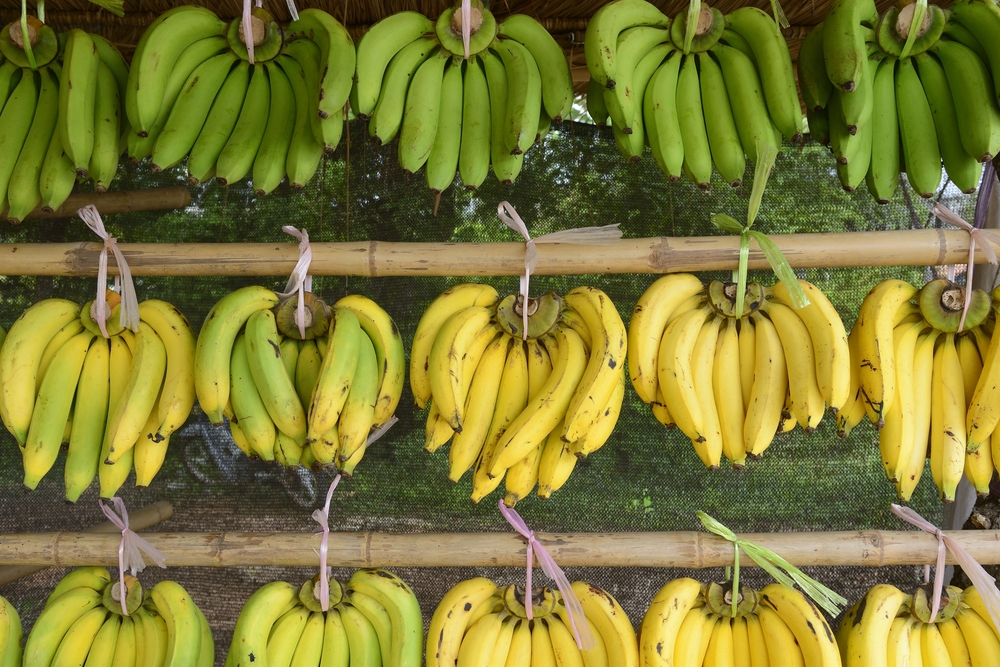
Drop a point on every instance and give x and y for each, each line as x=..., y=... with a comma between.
x=77, y=94
x=723, y=137
x=276, y=389
x=336, y=373
x=387, y=116
x=422, y=113
x=974, y=96
x=77, y=642
x=779, y=639
x=815, y=84
x=237, y=157
x=450, y=620
x=91, y=403
x=604, y=28
x=219, y=124
x=356, y=418
x=480, y=405
x=23, y=192
x=215, y=343
x=662, y=622
x=55, y=621
x=808, y=404
x=597, y=435
x=377, y=47
x=691, y=117
x=731, y=410
x=659, y=109
x=446, y=361
x=442, y=163
x=15, y=125
x=883, y=170
x=769, y=387
x=270, y=162
x=285, y=635
x=126, y=420
x=474, y=153
x=337, y=58
x=521, y=478
x=404, y=613
x=611, y=622
x=746, y=96
x=553, y=67
x=709, y=446
x=947, y=419
x=258, y=616
x=676, y=375
x=305, y=150
x=921, y=152
x=506, y=165
x=807, y=623
x=844, y=40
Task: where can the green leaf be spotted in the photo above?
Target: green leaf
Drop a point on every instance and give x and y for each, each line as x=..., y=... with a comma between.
x=766, y=155
x=116, y=7
x=782, y=269
x=726, y=223
x=780, y=569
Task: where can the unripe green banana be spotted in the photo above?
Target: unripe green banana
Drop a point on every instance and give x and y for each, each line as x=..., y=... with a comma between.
x=723, y=137
x=524, y=95
x=387, y=116
x=337, y=58
x=57, y=177
x=660, y=115
x=15, y=125
x=421, y=114
x=815, y=84
x=506, y=165
x=883, y=172
x=603, y=29
x=23, y=193
x=975, y=99
x=236, y=158
x=107, y=133
x=77, y=94
x=746, y=97
x=633, y=44
x=474, y=152
x=377, y=47
x=269, y=165
x=442, y=164
x=596, y=107
x=557, y=80
x=921, y=153
x=219, y=124
x=305, y=151
x=844, y=40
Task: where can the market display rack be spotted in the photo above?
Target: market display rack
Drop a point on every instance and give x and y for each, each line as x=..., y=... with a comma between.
x=26, y=553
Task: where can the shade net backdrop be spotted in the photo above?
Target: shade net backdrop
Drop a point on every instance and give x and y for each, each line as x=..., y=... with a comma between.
x=646, y=478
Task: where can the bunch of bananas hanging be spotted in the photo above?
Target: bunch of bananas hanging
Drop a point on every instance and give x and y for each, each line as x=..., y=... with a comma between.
x=889, y=627
x=717, y=93
x=10, y=635
x=730, y=382
x=61, y=120
x=114, y=402
x=461, y=115
x=478, y=624
x=890, y=95
x=306, y=398
x=691, y=623
x=520, y=408
x=373, y=621
x=82, y=622
x=193, y=93
x=923, y=382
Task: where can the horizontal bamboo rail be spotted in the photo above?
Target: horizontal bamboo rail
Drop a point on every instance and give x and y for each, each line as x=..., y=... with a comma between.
x=678, y=549
x=126, y=201
x=141, y=519
x=924, y=247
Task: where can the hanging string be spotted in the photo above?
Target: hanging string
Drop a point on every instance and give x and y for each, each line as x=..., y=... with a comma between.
x=691, y=29
x=581, y=630
x=300, y=281
x=131, y=548
x=582, y=235
x=779, y=15
x=466, y=26
x=987, y=240
x=322, y=517
x=40, y=10
x=129, y=316
x=916, y=23
x=984, y=583
x=248, y=29
x=292, y=10
x=24, y=36
x=783, y=572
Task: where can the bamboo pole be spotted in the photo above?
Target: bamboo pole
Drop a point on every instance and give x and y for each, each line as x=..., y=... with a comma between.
x=141, y=519
x=869, y=548
x=127, y=201
x=924, y=247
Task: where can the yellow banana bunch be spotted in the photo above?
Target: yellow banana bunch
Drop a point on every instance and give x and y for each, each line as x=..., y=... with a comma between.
x=311, y=402
x=890, y=627
x=83, y=622
x=372, y=621
x=478, y=624
x=60, y=121
x=925, y=384
x=731, y=383
x=456, y=115
x=193, y=92
x=691, y=623
x=519, y=408
x=710, y=93
x=114, y=402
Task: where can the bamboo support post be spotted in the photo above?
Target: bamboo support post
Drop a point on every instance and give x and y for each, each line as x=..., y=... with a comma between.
x=127, y=201
x=925, y=247
x=141, y=519
x=869, y=548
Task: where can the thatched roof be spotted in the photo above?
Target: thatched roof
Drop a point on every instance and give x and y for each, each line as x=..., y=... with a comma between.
x=565, y=19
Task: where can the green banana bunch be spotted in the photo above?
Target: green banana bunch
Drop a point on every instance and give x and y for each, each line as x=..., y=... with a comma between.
x=271, y=118
x=59, y=123
x=312, y=401
x=711, y=95
x=520, y=407
x=372, y=621
x=419, y=86
x=103, y=398
x=83, y=623
x=924, y=94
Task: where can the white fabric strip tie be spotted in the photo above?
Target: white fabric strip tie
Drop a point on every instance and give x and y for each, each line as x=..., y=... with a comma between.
x=322, y=517
x=581, y=630
x=984, y=583
x=292, y=10
x=300, y=281
x=131, y=548
x=129, y=316
x=986, y=239
x=248, y=28
x=580, y=235
x=466, y=26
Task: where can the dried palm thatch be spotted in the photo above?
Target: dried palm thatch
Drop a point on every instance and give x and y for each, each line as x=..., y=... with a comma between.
x=565, y=19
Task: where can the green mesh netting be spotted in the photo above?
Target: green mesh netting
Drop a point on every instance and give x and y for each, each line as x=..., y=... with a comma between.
x=645, y=479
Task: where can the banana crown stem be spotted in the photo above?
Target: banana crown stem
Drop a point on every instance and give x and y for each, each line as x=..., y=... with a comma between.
x=475, y=21
x=18, y=38
x=953, y=298
x=705, y=21
x=257, y=27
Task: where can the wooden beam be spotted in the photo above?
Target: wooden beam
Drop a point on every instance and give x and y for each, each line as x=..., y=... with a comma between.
x=925, y=247
x=870, y=548
x=126, y=201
